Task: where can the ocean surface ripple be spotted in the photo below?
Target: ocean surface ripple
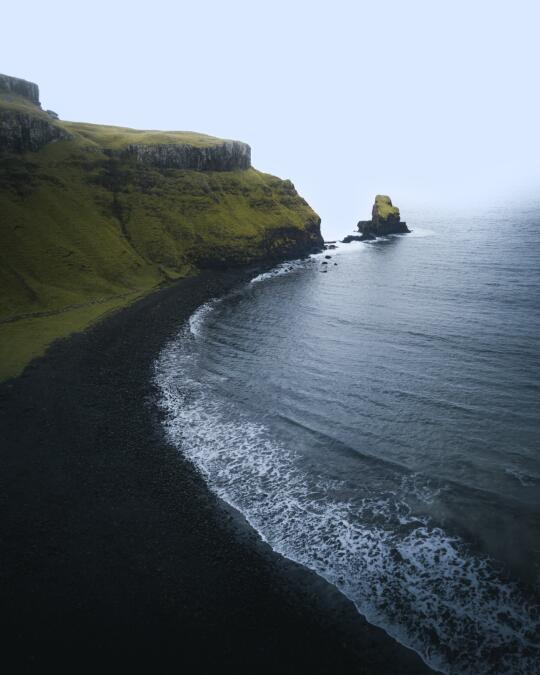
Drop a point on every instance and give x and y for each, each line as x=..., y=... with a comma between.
x=379, y=424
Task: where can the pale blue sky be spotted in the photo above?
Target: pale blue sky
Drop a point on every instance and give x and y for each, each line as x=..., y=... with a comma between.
x=431, y=102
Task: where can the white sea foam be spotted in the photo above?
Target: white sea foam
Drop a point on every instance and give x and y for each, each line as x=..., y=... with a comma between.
x=284, y=268
x=421, y=232
x=341, y=248
x=292, y=266
x=525, y=479
x=426, y=588
x=198, y=317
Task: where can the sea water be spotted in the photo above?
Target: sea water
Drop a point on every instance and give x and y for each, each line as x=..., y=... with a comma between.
x=376, y=419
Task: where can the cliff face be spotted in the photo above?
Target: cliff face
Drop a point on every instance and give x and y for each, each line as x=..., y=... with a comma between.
x=23, y=132
x=18, y=87
x=226, y=156
x=92, y=216
x=24, y=127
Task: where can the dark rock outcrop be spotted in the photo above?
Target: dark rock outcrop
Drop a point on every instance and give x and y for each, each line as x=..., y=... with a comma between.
x=366, y=236
x=284, y=243
x=24, y=132
x=226, y=156
x=291, y=242
x=385, y=219
x=19, y=87
x=24, y=126
x=364, y=225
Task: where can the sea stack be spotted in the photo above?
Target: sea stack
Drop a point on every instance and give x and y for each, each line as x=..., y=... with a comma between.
x=385, y=219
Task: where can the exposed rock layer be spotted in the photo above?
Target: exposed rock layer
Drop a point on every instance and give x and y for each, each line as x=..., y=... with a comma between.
x=14, y=85
x=285, y=243
x=226, y=156
x=25, y=132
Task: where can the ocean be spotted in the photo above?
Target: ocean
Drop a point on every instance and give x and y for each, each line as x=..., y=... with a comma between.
x=375, y=417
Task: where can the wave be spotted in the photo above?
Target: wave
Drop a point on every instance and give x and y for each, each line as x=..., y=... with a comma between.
x=197, y=319
x=524, y=479
x=285, y=268
x=426, y=588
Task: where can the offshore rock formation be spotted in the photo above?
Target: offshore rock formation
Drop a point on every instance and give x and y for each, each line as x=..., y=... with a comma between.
x=225, y=156
x=18, y=87
x=385, y=219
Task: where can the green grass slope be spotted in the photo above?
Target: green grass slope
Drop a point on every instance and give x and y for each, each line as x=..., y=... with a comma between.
x=84, y=230
x=115, y=138
x=384, y=208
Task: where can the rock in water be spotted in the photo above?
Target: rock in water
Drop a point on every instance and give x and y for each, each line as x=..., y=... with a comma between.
x=366, y=236
x=385, y=219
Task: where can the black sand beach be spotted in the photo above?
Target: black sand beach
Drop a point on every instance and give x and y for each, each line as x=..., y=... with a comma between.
x=114, y=552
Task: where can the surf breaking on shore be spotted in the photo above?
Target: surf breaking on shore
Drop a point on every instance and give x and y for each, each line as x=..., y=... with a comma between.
x=423, y=586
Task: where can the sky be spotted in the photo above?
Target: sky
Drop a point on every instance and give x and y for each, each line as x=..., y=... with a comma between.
x=432, y=102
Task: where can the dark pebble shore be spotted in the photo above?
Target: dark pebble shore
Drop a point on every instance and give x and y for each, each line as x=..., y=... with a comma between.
x=113, y=551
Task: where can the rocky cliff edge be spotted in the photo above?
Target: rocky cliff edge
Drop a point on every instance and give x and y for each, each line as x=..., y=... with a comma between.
x=94, y=215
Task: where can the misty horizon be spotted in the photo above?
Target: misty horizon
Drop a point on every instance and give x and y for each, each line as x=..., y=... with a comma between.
x=269, y=330
x=428, y=103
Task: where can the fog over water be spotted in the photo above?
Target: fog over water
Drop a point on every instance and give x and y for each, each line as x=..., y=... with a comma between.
x=434, y=103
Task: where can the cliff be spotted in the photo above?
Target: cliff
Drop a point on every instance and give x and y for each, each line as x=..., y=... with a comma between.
x=226, y=156
x=21, y=131
x=24, y=126
x=18, y=87
x=93, y=216
x=385, y=219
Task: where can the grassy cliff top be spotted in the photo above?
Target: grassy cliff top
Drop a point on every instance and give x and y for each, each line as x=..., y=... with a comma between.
x=15, y=102
x=110, y=137
x=384, y=207
x=116, y=138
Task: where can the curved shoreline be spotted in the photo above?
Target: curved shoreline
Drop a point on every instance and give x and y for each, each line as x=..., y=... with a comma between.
x=115, y=551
